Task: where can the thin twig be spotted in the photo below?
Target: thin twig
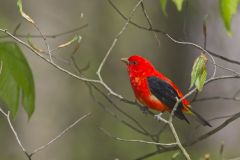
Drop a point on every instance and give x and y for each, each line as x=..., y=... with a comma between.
x=59, y=135
x=111, y=48
x=135, y=140
x=17, y=28
x=97, y=81
x=150, y=23
x=206, y=135
x=179, y=144
x=140, y=129
x=14, y=132
x=47, y=60
x=4, y=113
x=47, y=35
x=171, y=38
x=216, y=98
x=221, y=126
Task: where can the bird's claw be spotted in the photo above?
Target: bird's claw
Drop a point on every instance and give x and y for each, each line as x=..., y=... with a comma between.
x=158, y=116
x=144, y=110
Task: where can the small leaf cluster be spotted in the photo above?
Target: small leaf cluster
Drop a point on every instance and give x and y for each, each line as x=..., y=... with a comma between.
x=199, y=72
x=227, y=9
x=16, y=79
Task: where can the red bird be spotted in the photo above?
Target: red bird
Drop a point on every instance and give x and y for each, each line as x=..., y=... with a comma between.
x=156, y=91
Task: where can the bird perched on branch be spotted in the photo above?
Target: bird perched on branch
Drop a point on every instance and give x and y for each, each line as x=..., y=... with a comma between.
x=156, y=91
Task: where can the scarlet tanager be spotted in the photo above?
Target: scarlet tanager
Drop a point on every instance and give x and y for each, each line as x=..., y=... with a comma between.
x=156, y=91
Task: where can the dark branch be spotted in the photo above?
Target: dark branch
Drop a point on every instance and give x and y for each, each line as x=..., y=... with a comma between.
x=167, y=35
x=47, y=36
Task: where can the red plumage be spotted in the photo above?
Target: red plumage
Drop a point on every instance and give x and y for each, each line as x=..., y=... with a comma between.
x=153, y=89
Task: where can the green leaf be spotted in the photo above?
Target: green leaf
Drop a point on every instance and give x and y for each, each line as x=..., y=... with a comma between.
x=23, y=14
x=201, y=79
x=227, y=9
x=199, y=72
x=16, y=79
x=179, y=4
x=163, y=5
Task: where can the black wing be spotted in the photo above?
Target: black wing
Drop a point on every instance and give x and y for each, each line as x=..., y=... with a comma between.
x=166, y=94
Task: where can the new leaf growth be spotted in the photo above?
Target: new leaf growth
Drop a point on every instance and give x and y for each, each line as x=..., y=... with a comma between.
x=199, y=72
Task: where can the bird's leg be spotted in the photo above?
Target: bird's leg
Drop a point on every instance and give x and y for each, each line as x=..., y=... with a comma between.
x=159, y=117
x=144, y=109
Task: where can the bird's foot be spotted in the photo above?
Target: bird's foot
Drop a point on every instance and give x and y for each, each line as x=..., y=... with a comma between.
x=158, y=116
x=144, y=109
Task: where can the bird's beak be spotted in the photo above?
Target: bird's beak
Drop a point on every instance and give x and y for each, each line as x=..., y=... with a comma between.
x=125, y=60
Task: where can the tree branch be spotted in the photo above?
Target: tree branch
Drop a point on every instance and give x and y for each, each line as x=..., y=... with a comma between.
x=111, y=48
x=47, y=35
x=59, y=135
x=135, y=140
x=173, y=39
x=29, y=155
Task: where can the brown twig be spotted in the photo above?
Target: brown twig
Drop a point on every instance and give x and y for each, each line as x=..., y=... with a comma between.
x=59, y=135
x=29, y=155
x=46, y=35
x=135, y=140
x=171, y=38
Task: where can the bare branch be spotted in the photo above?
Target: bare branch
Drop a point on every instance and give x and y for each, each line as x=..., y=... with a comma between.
x=47, y=60
x=47, y=35
x=221, y=126
x=8, y=117
x=150, y=23
x=185, y=153
x=171, y=38
x=4, y=113
x=224, y=58
x=16, y=135
x=111, y=48
x=140, y=129
x=91, y=82
x=203, y=136
x=116, y=38
x=216, y=98
x=135, y=140
x=59, y=135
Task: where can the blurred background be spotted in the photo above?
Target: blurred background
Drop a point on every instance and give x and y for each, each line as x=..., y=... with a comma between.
x=61, y=99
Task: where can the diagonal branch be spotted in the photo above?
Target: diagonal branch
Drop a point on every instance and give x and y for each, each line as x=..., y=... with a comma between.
x=135, y=140
x=46, y=35
x=15, y=133
x=173, y=39
x=29, y=155
x=111, y=48
x=59, y=135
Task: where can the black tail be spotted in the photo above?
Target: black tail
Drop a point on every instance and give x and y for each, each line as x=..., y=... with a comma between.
x=200, y=118
x=178, y=113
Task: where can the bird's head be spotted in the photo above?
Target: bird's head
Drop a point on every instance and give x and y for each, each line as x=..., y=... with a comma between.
x=137, y=64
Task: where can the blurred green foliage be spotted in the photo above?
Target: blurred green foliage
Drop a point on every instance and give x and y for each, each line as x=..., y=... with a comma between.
x=16, y=79
x=227, y=9
x=61, y=98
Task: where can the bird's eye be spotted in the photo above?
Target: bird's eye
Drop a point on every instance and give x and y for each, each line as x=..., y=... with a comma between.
x=134, y=62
